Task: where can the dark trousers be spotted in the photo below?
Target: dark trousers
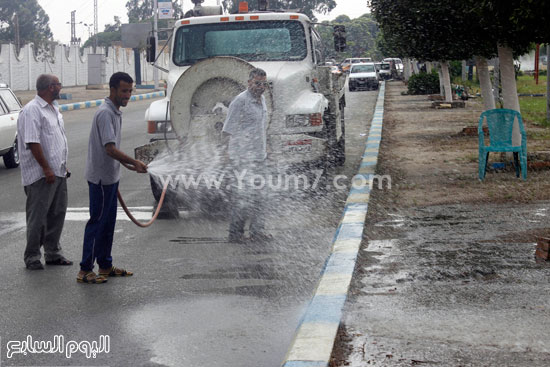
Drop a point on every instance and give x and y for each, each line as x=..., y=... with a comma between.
x=45, y=207
x=98, y=235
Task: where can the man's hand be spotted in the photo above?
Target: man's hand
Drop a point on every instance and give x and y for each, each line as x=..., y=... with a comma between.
x=50, y=176
x=126, y=161
x=140, y=167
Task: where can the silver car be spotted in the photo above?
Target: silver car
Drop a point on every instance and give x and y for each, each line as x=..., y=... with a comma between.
x=9, y=112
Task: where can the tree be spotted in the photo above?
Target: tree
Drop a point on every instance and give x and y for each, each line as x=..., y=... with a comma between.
x=361, y=34
x=115, y=27
x=110, y=34
x=31, y=21
x=429, y=31
x=303, y=6
x=142, y=10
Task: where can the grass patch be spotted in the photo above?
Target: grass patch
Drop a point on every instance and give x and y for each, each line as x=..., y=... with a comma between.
x=533, y=110
x=526, y=84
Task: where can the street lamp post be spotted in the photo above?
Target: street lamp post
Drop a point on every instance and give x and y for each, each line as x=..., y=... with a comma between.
x=155, y=34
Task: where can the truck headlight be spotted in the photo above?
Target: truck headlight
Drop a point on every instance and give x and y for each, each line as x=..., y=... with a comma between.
x=303, y=120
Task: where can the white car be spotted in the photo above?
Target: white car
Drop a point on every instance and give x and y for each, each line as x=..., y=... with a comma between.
x=363, y=76
x=9, y=112
x=346, y=64
x=395, y=63
x=384, y=70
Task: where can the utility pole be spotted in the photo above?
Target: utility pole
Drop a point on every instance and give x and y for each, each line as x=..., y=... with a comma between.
x=155, y=34
x=95, y=26
x=74, y=40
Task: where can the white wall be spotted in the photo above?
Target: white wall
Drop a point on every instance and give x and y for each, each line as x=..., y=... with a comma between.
x=20, y=72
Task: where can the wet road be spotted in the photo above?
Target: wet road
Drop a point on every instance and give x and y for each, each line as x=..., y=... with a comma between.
x=195, y=299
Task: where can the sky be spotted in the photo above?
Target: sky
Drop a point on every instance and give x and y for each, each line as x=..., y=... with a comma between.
x=59, y=12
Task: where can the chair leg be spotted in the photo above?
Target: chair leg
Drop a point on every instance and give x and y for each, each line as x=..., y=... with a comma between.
x=523, y=160
x=482, y=168
x=516, y=163
x=485, y=164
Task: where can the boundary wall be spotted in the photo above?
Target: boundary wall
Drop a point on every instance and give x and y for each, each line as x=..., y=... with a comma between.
x=68, y=64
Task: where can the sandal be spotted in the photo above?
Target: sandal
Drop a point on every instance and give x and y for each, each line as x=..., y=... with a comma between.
x=59, y=261
x=91, y=278
x=116, y=272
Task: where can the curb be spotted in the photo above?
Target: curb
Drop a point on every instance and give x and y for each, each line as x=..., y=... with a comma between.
x=98, y=102
x=314, y=338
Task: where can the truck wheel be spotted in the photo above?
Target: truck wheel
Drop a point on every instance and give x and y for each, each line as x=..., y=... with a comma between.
x=351, y=88
x=11, y=158
x=336, y=154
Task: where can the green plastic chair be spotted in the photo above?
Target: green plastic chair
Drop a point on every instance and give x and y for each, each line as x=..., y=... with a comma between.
x=500, y=122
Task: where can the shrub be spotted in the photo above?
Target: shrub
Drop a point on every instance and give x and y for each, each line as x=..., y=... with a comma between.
x=424, y=83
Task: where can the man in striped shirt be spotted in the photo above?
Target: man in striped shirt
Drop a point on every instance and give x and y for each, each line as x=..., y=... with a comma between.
x=43, y=157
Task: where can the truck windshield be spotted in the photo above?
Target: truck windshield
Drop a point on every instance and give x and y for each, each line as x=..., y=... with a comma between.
x=251, y=41
x=362, y=69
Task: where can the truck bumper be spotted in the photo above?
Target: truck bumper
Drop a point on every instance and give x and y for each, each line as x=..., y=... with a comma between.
x=284, y=149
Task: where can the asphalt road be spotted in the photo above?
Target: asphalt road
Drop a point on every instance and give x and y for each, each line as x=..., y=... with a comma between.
x=195, y=300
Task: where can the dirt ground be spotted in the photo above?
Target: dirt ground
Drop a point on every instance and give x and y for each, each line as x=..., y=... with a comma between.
x=432, y=162
x=446, y=270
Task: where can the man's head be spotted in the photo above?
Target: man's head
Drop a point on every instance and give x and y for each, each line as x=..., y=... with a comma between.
x=257, y=82
x=120, y=85
x=48, y=87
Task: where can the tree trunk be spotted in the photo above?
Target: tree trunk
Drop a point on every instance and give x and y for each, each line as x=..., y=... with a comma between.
x=496, y=82
x=485, y=83
x=428, y=67
x=547, y=83
x=406, y=69
x=415, y=66
x=509, y=88
x=464, y=70
x=446, y=81
x=441, y=87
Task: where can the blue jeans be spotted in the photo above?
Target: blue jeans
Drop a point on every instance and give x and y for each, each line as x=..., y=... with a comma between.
x=98, y=235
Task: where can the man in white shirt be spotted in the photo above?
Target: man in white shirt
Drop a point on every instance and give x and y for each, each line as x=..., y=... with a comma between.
x=245, y=130
x=43, y=157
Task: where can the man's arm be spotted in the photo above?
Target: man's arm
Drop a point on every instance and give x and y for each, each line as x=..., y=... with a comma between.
x=38, y=154
x=126, y=161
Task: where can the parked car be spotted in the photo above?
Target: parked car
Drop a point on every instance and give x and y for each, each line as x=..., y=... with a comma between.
x=396, y=65
x=346, y=64
x=363, y=76
x=384, y=70
x=9, y=112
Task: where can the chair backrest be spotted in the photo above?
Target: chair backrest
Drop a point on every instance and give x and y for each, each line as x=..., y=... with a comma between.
x=500, y=122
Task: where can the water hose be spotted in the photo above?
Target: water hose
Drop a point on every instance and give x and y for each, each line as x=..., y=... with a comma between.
x=138, y=223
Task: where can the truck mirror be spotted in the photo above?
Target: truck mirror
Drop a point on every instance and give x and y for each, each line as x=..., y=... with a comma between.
x=339, y=32
x=151, y=49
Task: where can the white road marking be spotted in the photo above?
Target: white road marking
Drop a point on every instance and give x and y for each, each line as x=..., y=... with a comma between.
x=15, y=221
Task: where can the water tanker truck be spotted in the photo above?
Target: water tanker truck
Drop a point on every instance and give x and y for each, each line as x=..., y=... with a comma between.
x=211, y=55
